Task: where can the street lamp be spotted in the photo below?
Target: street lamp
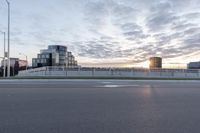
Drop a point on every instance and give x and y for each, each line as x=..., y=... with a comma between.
x=8, y=3
x=4, y=57
x=26, y=59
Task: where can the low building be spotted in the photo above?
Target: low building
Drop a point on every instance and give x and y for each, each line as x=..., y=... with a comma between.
x=15, y=62
x=55, y=55
x=16, y=65
x=155, y=63
x=194, y=65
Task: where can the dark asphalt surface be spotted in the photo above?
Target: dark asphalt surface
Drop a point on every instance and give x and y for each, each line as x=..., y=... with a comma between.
x=99, y=106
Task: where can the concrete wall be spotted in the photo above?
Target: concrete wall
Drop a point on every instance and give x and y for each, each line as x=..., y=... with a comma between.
x=92, y=72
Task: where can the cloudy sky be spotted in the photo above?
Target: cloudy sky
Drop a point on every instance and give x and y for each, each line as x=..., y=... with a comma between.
x=120, y=33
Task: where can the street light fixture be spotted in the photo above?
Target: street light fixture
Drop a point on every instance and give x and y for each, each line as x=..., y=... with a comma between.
x=4, y=57
x=26, y=59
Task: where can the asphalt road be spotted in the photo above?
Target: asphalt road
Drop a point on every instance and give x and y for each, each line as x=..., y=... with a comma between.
x=99, y=106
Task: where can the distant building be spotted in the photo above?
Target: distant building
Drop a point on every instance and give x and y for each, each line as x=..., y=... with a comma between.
x=15, y=64
x=55, y=55
x=71, y=59
x=194, y=65
x=155, y=62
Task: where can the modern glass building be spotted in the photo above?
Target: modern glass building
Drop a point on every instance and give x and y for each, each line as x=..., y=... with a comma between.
x=55, y=55
x=62, y=53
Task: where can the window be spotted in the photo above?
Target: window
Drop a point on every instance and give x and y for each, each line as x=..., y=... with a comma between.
x=47, y=56
x=38, y=61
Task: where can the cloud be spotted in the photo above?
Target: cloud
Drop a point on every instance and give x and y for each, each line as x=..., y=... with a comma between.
x=183, y=26
x=132, y=31
x=162, y=32
x=161, y=17
x=96, y=13
x=193, y=41
x=97, y=49
x=114, y=31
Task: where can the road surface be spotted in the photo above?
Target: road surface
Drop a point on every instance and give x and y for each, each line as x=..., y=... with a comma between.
x=99, y=106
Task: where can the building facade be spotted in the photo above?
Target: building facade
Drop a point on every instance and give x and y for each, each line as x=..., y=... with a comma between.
x=55, y=55
x=71, y=59
x=194, y=65
x=15, y=66
x=155, y=63
x=15, y=62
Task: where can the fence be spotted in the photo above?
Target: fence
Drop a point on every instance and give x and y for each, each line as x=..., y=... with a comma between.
x=110, y=72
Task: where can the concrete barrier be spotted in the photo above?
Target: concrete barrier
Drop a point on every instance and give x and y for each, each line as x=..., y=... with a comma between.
x=110, y=72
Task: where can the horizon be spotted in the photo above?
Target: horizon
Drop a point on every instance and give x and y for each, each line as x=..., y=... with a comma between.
x=107, y=33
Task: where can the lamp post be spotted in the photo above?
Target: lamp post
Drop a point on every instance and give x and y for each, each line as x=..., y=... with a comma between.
x=8, y=3
x=26, y=59
x=4, y=57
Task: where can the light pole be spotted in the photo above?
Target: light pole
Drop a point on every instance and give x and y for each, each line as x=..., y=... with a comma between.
x=26, y=59
x=8, y=3
x=4, y=57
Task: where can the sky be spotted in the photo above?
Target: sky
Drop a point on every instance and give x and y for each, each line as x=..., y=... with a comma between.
x=106, y=33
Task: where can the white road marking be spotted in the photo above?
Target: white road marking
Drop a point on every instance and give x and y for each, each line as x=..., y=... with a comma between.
x=117, y=86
